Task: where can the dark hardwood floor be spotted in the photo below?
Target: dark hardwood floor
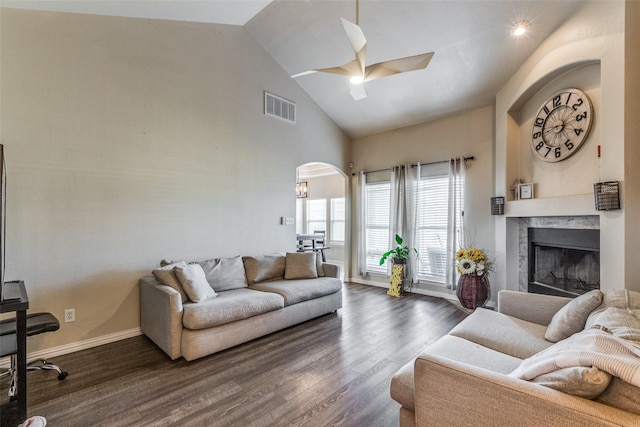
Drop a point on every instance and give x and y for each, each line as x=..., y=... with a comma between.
x=333, y=370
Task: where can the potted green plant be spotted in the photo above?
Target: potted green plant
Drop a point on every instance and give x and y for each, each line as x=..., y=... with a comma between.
x=399, y=254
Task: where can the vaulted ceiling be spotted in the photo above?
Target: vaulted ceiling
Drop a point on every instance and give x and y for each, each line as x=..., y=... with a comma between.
x=475, y=53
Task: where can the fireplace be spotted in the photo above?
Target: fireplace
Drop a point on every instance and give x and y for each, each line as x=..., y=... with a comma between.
x=563, y=262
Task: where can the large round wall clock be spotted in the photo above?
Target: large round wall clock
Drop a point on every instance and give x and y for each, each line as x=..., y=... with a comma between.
x=561, y=125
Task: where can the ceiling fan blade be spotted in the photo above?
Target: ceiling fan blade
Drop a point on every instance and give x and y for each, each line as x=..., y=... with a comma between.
x=304, y=73
x=396, y=66
x=357, y=91
x=358, y=42
x=349, y=69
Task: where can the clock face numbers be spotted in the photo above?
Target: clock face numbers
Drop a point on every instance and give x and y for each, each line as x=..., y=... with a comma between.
x=561, y=125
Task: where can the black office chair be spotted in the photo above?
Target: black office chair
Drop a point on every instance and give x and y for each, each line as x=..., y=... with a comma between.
x=37, y=323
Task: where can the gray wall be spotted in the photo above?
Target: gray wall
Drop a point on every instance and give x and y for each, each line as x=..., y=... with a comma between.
x=132, y=140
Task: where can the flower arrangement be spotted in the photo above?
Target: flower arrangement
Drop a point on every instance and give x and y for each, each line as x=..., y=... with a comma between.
x=473, y=261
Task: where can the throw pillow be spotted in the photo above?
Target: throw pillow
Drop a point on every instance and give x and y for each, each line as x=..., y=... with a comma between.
x=589, y=348
x=319, y=263
x=587, y=382
x=167, y=276
x=619, y=299
x=300, y=265
x=224, y=274
x=263, y=268
x=572, y=317
x=622, y=323
x=194, y=282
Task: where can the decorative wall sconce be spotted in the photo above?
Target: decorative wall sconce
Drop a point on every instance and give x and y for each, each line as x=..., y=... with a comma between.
x=302, y=189
x=607, y=195
x=497, y=206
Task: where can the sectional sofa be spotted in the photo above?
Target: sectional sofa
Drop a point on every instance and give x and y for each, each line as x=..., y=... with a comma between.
x=194, y=309
x=537, y=361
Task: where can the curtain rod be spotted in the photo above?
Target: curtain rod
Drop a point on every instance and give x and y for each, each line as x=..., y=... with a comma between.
x=414, y=165
x=442, y=161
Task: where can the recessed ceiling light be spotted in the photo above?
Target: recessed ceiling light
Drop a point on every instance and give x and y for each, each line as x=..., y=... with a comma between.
x=521, y=27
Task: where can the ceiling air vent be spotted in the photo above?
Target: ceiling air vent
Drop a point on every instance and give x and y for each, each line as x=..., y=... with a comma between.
x=279, y=108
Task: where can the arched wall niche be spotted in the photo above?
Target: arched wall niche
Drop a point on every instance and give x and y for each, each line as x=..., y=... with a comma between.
x=576, y=174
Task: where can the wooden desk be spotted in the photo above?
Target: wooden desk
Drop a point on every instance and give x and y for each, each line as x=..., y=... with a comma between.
x=17, y=410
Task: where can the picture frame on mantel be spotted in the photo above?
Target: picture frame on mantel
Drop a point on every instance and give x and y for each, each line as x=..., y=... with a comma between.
x=525, y=191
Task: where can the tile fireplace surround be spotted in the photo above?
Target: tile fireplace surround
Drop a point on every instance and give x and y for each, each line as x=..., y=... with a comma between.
x=590, y=222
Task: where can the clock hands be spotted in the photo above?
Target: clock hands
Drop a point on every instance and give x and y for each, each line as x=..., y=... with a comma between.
x=557, y=125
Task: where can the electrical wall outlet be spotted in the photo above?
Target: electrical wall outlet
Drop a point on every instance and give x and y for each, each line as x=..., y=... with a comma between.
x=70, y=315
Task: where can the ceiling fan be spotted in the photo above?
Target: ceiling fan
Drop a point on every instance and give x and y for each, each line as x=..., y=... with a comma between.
x=358, y=71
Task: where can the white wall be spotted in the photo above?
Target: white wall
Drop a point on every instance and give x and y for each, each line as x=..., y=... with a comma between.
x=466, y=134
x=131, y=140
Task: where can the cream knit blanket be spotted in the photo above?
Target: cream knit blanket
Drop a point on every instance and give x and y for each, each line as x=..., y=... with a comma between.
x=591, y=347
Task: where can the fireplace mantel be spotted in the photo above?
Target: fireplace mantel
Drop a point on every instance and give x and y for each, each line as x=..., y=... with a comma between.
x=574, y=205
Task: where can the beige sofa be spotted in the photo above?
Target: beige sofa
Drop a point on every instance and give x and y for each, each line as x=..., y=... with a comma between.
x=466, y=378
x=242, y=298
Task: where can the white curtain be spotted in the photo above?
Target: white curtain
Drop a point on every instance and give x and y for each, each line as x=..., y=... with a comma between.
x=411, y=179
x=455, y=223
x=396, y=208
x=396, y=205
x=362, y=224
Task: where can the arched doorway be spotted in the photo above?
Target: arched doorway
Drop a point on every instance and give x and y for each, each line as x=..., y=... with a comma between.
x=324, y=207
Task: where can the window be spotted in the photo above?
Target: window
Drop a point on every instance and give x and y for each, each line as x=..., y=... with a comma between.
x=432, y=199
x=316, y=215
x=337, y=217
x=377, y=199
x=434, y=223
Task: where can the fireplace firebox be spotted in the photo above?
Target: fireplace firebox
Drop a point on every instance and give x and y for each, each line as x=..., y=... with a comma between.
x=563, y=262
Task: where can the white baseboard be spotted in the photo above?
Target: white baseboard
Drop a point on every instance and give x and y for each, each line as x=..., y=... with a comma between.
x=415, y=290
x=77, y=346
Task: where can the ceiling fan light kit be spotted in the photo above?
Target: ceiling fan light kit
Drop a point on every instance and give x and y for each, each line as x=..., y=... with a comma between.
x=359, y=72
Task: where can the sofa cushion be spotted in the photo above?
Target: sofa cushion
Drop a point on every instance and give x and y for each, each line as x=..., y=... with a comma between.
x=622, y=395
x=402, y=382
x=623, y=323
x=263, y=268
x=471, y=353
x=229, y=306
x=583, y=381
x=224, y=274
x=167, y=276
x=295, y=291
x=300, y=265
x=194, y=282
x=502, y=333
x=572, y=317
